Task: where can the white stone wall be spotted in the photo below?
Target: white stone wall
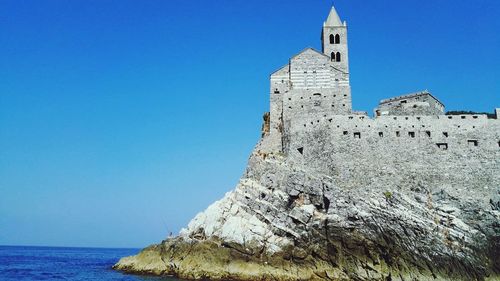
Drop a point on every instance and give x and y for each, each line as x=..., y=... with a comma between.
x=398, y=150
x=415, y=104
x=311, y=70
x=308, y=85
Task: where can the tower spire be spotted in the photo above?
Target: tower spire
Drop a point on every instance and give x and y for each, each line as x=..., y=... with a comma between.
x=333, y=18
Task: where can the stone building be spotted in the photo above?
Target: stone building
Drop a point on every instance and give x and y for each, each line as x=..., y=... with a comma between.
x=311, y=112
x=421, y=103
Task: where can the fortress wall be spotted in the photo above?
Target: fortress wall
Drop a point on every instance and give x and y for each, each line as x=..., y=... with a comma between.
x=352, y=150
x=313, y=101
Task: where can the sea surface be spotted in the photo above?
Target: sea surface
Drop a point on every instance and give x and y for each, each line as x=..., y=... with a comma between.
x=51, y=263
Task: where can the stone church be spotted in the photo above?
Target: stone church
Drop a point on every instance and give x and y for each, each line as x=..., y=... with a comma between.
x=312, y=92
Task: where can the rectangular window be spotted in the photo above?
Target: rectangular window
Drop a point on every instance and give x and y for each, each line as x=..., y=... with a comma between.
x=442, y=146
x=398, y=134
x=381, y=134
x=346, y=133
x=411, y=134
x=473, y=143
x=357, y=135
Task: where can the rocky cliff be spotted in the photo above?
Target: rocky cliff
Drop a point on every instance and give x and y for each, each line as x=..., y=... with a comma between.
x=290, y=220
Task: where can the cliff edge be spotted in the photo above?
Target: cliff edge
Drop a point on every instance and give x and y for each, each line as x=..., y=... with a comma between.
x=288, y=221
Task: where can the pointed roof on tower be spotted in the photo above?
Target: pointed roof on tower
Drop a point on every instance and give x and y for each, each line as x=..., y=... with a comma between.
x=333, y=18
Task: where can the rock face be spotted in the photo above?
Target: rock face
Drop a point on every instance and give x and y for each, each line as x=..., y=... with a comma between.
x=287, y=220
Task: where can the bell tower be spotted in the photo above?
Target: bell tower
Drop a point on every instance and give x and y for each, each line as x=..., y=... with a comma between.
x=334, y=41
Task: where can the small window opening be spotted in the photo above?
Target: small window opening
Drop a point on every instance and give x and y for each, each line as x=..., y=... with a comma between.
x=381, y=134
x=357, y=135
x=428, y=133
x=463, y=117
x=333, y=57
x=445, y=134
x=332, y=39
x=262, y=195
x=403, y=101
x=337, y=39
x=450, y=117
x=398, y=134
x=475, y=117
x=276, y=91
x=411, y=134
x=346, y=133
x=473, y=143
x=300, y=150
x=443, y=146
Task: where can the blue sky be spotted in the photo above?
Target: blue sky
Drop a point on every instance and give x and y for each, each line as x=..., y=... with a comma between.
x=120, y=120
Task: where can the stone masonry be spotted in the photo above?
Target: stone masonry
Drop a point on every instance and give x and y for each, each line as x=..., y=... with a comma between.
x=312, y=94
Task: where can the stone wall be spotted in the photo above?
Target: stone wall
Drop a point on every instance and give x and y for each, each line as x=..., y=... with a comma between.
x=397, y=151
x=414, y=104
x=308, y=85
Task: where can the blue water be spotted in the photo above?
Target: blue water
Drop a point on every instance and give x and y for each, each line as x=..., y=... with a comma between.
x=75, y=264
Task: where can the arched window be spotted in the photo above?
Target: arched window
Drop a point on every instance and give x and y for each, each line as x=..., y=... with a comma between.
x=337, y=39
x=337, y=56
x=333, y=56
x=332, y=39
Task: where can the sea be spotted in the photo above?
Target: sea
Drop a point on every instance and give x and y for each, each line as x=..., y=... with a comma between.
x=58, y=263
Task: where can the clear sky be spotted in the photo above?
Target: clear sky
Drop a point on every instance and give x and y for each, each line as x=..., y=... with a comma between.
x=120, y=120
